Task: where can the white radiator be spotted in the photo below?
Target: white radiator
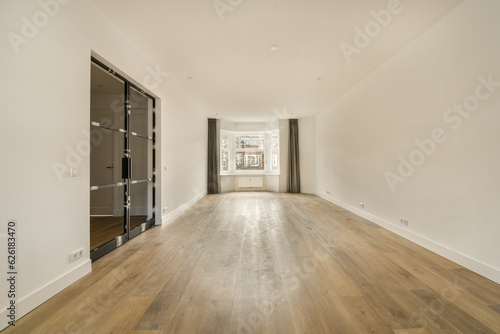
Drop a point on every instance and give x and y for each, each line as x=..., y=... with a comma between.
x=250, y=182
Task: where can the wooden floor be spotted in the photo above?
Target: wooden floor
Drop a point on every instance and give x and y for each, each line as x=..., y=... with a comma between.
x=271, y=263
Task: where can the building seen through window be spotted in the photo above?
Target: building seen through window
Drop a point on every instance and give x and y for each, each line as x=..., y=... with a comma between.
x=249, y=152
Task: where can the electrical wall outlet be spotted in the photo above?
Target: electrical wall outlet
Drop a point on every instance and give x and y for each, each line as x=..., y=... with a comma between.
x=362, y=205
x=165, y=209
x=403, y=221
x=328, y=193
x=76, y=255
x=73, y=172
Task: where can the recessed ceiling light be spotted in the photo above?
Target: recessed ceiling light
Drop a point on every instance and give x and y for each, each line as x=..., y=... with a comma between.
x=275, y=47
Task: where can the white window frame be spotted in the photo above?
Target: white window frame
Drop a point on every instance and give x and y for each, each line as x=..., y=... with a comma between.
x=231, y=151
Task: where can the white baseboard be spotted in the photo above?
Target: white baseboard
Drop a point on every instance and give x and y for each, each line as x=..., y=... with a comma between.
x=483, y=269
x=170, y=216
x=40, y=296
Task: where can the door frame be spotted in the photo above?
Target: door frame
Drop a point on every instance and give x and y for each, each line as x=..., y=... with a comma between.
x=126, y=168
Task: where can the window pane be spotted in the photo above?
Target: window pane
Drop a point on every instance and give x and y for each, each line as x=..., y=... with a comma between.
x=250, y=141
x=225, y=160
x=224, y=142
x=274, y=141
x=274, y=164
x=249, y=160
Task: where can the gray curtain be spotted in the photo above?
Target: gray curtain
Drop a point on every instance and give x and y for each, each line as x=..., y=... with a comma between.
x=213, y=158
x=293, y=184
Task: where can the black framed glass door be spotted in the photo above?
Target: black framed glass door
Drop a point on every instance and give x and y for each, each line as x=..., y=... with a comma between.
x=122, y=160
x=141, y=154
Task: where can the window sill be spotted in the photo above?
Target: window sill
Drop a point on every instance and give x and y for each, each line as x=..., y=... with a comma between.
x=249, y=174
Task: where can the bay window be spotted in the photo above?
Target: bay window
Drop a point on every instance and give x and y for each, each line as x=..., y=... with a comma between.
x=249, y=152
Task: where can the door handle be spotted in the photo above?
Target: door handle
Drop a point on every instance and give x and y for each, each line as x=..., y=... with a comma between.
x=109, y=167
x=126, y=168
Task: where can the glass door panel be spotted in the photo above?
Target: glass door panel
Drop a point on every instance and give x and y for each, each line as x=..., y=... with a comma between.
x=141, y=114
x=140, y=151
x=108, y=95
x=107, y=225
x=141, y=208
x=107, y=143
x=105, y=156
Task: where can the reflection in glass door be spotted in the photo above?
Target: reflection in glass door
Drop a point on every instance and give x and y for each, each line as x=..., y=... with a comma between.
x=122, y=191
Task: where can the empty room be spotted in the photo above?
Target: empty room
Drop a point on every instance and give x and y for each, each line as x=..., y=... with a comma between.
x=234, y=166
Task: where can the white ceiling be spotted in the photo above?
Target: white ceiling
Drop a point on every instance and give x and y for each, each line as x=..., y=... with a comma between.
x=234, y=73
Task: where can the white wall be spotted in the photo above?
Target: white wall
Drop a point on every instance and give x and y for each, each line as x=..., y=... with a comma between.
x=184, y=152
x=45, y=112
x=249, y=126
x=451, y=199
